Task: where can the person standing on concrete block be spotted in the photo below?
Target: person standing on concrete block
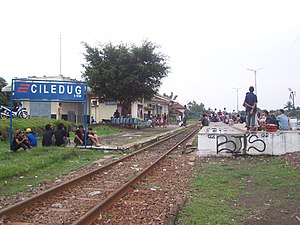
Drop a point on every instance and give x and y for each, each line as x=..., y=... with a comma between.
x=250, y=104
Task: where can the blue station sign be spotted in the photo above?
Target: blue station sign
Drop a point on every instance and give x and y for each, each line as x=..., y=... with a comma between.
x=49, y=90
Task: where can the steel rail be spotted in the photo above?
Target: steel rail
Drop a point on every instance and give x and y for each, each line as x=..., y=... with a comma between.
x=92, y=215
x=28, y=202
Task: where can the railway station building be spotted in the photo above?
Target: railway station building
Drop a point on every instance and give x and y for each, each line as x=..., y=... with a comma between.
x=100, y=110
x=142, y=109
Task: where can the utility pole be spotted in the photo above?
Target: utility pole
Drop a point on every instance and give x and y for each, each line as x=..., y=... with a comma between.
x=292, y=97
x=237, y=99
x=255, y=89
x=60, y=54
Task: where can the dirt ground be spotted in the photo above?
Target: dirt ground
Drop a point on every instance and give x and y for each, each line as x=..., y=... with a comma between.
x=128, y=136
x=276, y=206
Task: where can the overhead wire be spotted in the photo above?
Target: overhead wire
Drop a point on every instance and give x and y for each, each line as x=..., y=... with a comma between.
x=283, y=54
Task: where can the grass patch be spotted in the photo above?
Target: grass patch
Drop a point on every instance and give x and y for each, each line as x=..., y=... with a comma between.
x=38, y=125
x=217, y=186
x=106, y=130
x=22, y=170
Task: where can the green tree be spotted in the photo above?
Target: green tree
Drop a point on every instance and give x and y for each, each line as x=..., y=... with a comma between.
x=4, y=96
x=172, y=111
x=288, y=106
x=171, y=96
x=195, y=107
x=124, y=73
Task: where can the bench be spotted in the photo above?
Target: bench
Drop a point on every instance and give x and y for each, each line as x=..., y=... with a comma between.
x=125, y=122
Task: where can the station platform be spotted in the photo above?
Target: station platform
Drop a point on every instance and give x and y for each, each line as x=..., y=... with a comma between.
x=221, y=139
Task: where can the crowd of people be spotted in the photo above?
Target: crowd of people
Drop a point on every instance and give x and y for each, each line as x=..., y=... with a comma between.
x=53, y=137
x=222, y=116
x=255, y=121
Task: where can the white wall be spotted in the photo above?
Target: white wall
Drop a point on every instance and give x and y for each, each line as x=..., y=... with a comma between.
x=218, y=136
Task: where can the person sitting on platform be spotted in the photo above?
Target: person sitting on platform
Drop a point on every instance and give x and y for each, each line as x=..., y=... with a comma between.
x=283, y=120
x=204, y=120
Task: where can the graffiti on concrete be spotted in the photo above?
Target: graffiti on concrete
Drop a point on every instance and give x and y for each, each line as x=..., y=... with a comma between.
x=237, y=144
x=258, y=144
x=231, y=145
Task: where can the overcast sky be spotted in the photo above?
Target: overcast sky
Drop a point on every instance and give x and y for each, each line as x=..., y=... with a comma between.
x=210, y=44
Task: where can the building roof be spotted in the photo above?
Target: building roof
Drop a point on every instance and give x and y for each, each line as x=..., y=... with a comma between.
x=157, y=98
x=176, y=105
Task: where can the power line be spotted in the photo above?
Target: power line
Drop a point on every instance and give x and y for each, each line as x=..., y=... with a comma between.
x=284, y=53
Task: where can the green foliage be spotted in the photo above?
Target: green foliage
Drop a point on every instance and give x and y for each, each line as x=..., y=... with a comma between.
x=38, y=124
x=105, y=130
x=4, y=96
x=171, y=96
x=195, y=107
x=124, y=73
x=21, y=170
x=288, y=106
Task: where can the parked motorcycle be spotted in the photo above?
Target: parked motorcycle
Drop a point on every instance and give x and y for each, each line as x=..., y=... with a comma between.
x=18, y=111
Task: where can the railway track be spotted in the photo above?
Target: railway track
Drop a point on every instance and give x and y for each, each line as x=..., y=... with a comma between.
x=82, y=200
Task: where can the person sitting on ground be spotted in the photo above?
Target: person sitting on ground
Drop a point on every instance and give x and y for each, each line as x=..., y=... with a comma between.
x=31, y=137
x=151, y=121
x=60, y=135
x=79, y=136
x=20, y=141
x=67, y=137
x=283, y=120
x=92, y=138
x=48, y=136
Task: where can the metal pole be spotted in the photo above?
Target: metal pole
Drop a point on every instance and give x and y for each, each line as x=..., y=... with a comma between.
x=85, y=113
x=10, y=114
x=60, y=54
x=294, y=105
x=237, y=98
x=255, y=82
x=292, y=97
x=255, y=88
x=143, y=110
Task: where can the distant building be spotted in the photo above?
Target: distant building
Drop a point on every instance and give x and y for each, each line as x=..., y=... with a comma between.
x=143, y=109
x=100, y=110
